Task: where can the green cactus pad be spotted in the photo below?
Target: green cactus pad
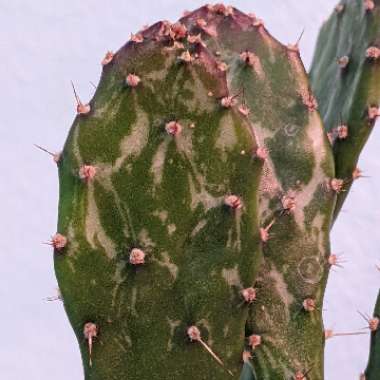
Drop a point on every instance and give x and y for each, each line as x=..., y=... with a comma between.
x=346, y=89
x=299, y=166
x=161, y=191
x=373, y=368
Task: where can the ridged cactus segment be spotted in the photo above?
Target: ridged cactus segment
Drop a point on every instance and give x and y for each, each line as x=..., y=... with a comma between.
x=373, y=368
x=163, y=235
x=296, y=197
x=345, y=77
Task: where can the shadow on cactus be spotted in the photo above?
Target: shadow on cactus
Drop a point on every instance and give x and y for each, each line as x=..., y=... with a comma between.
x=198, y=189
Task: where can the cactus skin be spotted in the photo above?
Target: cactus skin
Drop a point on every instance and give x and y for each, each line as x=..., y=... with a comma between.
x=373, y=368
x=344, y=94
x=299, y=162
x=164, y=194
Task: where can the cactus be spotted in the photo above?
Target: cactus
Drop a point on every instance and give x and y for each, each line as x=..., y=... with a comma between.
x=197, y=194
x=345, y=77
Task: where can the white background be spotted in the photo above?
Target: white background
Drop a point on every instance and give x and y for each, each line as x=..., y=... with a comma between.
x=46, y=43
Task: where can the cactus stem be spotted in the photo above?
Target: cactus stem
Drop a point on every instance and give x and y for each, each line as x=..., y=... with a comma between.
x=137, y=256
x=107, y=58
x=56, y=156
x=87, y=172
x=82, y=109
x=90, y=331
x=195, y=336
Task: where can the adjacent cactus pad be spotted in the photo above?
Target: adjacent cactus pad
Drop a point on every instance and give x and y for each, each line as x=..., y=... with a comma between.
x=197, y=193
x=159, y=207
x=345, y=76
